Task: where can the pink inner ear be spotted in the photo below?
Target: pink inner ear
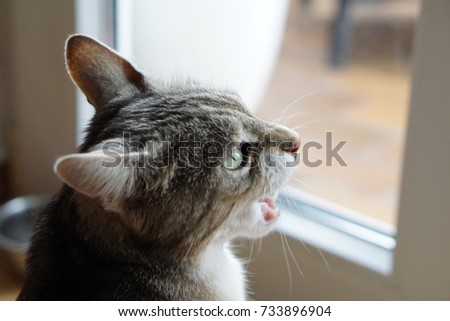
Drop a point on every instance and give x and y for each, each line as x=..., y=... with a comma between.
x=134, y=76
x=99, y=72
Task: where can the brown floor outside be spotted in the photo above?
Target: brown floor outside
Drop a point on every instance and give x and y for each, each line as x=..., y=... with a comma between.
x=364, y=103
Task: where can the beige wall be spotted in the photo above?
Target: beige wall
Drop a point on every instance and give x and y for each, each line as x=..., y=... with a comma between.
x=4, y=70
x=424, y=213
x=39, y=110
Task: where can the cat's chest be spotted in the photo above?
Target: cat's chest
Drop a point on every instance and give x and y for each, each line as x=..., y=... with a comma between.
x=224, y=272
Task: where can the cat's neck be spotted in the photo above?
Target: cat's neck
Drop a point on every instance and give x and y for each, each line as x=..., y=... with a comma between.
x=216, y=264
x=100, y=230
x=224, y=271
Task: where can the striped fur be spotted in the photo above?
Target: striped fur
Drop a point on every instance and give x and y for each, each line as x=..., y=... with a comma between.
x=140, y=231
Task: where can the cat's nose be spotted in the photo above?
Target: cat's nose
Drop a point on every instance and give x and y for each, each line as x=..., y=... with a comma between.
x=296, y=143
x=293, y=144
x=289, y=140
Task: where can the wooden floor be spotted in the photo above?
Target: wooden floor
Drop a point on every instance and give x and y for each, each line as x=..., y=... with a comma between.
x=364, y=103
x=10, y=276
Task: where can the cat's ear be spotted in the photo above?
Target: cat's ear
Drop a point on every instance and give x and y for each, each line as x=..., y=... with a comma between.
x=97, y=175
x=100, y=73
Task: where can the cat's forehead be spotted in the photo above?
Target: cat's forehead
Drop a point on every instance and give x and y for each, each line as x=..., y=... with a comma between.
x=205, y=108
x=218, y=100
x=199, y=114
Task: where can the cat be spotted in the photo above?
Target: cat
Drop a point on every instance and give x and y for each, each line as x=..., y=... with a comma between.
x=168, y=175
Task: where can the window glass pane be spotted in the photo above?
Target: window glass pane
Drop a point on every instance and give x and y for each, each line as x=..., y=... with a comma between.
x=344, y=68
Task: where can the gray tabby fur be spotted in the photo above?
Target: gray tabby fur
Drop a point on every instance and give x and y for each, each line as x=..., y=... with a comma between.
x=140, y=232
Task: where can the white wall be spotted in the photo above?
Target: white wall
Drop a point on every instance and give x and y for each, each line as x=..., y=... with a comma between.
x=227, y=43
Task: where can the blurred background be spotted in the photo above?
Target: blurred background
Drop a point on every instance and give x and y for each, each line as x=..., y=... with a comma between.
x=318, y=66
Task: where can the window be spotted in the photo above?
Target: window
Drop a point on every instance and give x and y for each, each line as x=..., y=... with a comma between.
x=355, y=84
x=343, y=77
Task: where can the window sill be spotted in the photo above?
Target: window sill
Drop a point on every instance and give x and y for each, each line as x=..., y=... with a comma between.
x=338, y=230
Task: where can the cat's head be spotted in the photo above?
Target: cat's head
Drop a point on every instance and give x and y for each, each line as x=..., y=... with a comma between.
x=180, y=164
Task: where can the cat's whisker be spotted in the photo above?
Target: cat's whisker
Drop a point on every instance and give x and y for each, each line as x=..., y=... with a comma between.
x=293, y=257
x=290, y=201
x=250, y=255
x=302, y=125
x=297, y=212
x=259, y=240
x=292, y=116
x=247, y=260
x=295, y=101
x=181, y=262
x=307, y=170
x=293, y=203
x=288, y=265
x=309, y=187
x=324, y=259
x=310, y=139
x=304, y=169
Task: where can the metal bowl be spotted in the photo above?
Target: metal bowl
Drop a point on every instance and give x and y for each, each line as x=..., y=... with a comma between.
x=17, y=218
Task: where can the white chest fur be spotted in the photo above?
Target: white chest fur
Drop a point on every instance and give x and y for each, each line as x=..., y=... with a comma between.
x=225, y=272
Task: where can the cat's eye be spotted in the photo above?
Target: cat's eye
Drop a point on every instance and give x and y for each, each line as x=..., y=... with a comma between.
x=239, y=157
x=235, y=159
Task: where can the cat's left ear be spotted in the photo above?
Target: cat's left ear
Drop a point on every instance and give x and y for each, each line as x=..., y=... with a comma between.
x=100, y=73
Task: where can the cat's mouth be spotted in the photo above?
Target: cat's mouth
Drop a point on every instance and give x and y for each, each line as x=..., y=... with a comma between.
x=270, y=212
